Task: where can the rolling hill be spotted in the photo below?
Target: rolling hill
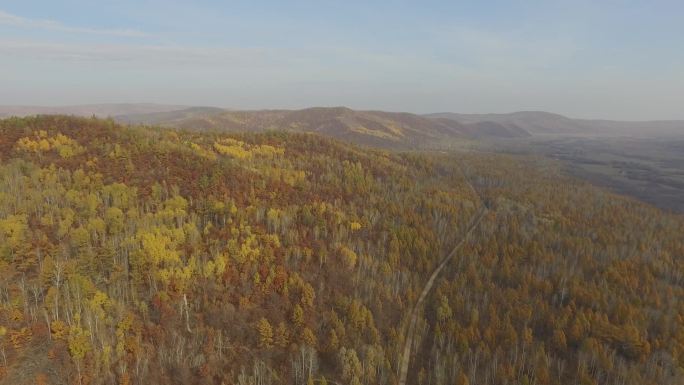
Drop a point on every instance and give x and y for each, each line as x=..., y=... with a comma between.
x=394, y=129
x=487, y=129
x=389, y=129
x=377, y=128
x=545, y=123
x=364, y=127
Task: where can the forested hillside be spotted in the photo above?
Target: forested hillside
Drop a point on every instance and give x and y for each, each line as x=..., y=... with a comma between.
x=375, y=128
x=396, y=130
x=141, y=255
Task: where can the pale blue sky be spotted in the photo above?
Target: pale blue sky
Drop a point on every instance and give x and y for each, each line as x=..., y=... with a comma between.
x=617, y=59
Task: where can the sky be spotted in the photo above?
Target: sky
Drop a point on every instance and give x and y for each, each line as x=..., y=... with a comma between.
x=613, y=59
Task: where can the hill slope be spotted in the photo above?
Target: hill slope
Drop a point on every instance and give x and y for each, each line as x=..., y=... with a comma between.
x=145, y=255
x=377, y=128
x=364, y=127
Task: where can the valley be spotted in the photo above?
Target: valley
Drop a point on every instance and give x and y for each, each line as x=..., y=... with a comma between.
x=648, y=169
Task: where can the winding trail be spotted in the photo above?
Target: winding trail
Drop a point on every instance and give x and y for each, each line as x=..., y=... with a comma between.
x=406, y=356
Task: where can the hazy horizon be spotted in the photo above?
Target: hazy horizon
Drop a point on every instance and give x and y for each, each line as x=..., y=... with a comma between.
x=615, y=61
x=228, y=108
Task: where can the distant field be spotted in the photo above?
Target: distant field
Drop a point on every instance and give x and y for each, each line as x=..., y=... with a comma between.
x=651, y=170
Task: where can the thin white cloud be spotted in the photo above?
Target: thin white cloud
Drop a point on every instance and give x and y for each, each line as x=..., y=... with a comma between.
x=51, y=25
x=320, y=63
x=134, y=53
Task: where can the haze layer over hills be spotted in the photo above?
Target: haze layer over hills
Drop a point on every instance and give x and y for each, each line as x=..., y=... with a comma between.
x=374, y=126
x=539, y=122
x=99, y=110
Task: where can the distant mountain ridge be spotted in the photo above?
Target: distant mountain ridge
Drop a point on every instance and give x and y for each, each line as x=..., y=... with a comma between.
x=99, y=110
x=377, y=128
x=536, y=122
x=546, y=123
x=484, y=129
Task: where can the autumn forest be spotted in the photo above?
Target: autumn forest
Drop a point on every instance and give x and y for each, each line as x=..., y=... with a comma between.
x=133, y=254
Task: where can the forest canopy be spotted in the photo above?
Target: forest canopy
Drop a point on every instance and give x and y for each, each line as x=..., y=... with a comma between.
x=137, y=255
